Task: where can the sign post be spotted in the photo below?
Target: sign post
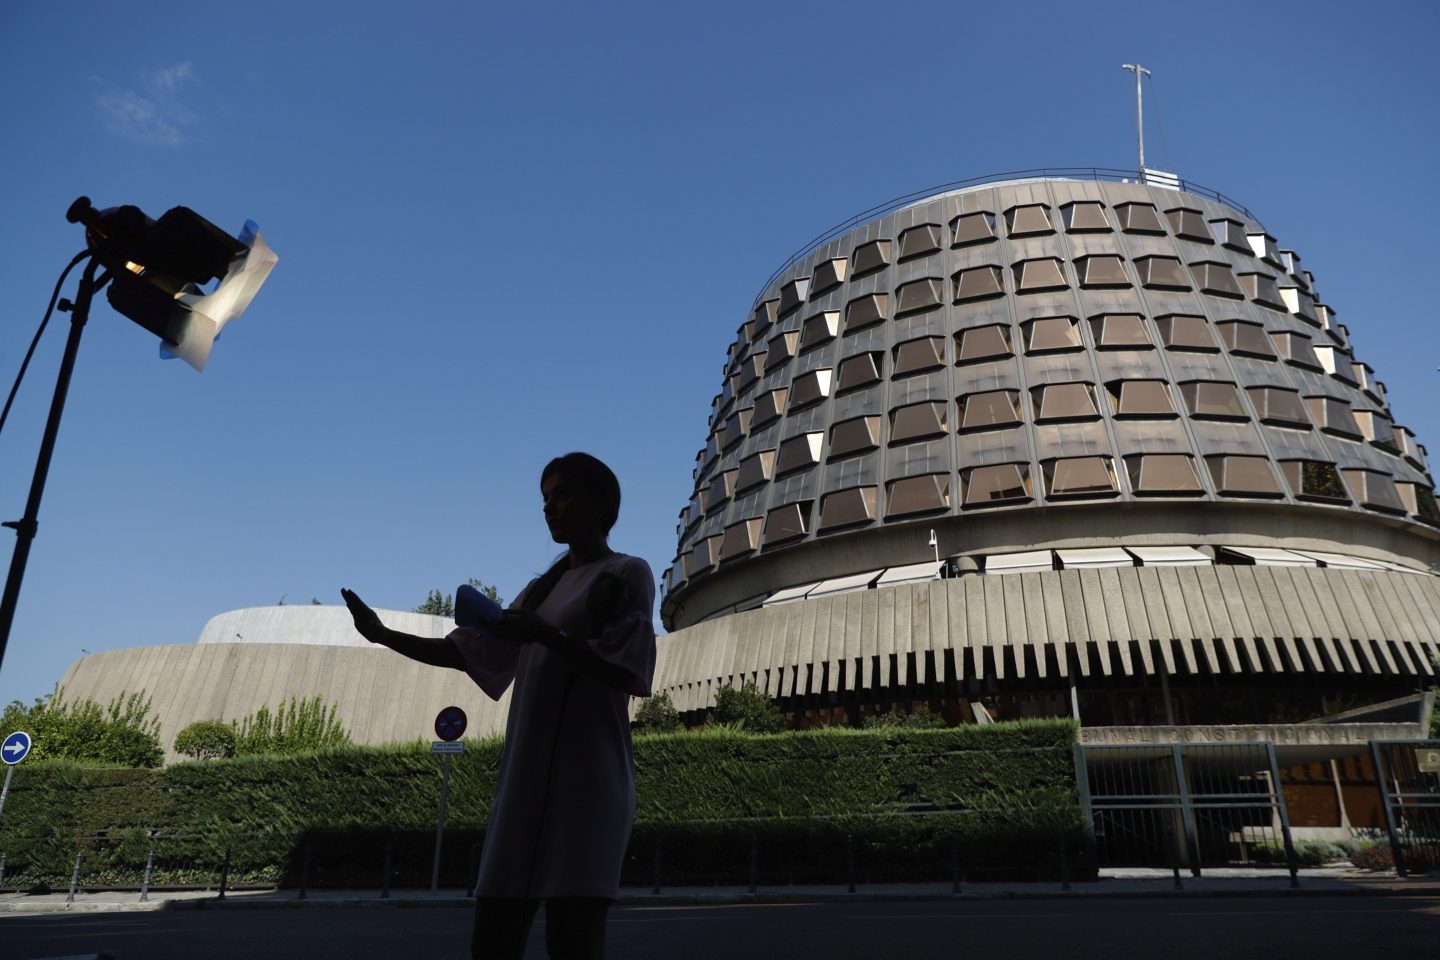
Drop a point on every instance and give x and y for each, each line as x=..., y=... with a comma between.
x=449, y=725
x=15, y=748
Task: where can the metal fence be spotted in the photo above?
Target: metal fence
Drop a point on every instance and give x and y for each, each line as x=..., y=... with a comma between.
x=1408, y=775
x=1192, y=805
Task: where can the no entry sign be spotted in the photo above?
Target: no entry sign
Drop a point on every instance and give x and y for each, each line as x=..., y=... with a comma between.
x=450, y=723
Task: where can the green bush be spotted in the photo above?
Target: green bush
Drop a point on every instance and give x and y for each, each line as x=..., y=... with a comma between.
x=122, y=733
x=1308, y=853
x=657, y=715
x=746, y=708
x=1373, y=856
x=296, y=727
x=921, y=717
x=206, y=740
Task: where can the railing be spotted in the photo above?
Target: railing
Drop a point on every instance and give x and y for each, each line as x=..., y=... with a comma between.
x=1046, y=173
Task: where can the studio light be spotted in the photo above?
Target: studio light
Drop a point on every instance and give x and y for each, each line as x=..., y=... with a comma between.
x=156, y=271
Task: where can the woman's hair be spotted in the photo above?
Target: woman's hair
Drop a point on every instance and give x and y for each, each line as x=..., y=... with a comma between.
x=593, y=477
x=602, y=489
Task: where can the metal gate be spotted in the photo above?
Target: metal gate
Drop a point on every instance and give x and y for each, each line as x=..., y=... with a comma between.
x=1408, y=772
x=1197, y=805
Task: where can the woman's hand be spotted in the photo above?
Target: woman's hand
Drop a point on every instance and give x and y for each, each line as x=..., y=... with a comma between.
x=518, y=626
x=367, y=622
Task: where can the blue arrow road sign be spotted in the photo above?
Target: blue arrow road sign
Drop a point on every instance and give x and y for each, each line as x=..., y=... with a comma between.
x=15, y=748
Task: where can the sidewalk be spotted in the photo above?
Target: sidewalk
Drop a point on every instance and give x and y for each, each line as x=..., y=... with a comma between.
x=1114, y=883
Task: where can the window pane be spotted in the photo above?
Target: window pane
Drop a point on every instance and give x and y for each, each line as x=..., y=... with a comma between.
x=1141, y=398
x=977, y=283
x=917, y=421
x=1119, y=331
x=845, y=507
x=870, y=256
x=1190, y=224
x=789, y=522
x=1246, y=339
x=987, y=486
x=1042, y=274
x=1085, y=215
x=799, y=452
x=854, y=436
x=770, y=405
x=781, y=348
x=1217, y=279
x=1314, y=480
x=1079, y=477
x=985, y=411
x=1242, y=476
x=1180, y=331
x=1334, y=416
x=829, y=274
x=1064, y=401
x=859, y=371
x=916, y=356
x=1102, y=271
x=1164, y=273
x=1139, y=218
x=973, y=228
x=1162, y=473
x=918, y=495
x=1279, y=406
x=984, y=343
x=1207, y=399
x=919, y=295
x=918, y=241
x=820, y=328
x=1052, y=334
x=866, y=311
x=1028, y=220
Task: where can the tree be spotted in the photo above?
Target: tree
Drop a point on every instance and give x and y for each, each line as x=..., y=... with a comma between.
x=657, y=715
x=123, y=732
x=294, y=727
x=748, y=708
x=206, y=740
x=441, y=604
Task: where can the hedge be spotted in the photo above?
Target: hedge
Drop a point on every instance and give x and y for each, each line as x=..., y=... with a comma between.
x=712, y=806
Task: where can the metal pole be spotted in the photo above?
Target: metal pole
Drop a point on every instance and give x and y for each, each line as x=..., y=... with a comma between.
x=145, y=884
x=224, y=874
x=26, y=527
x=1187, y=813
x=5, y=791
x=74, y=879
x=1279, y=793
x=1387, y=801
x=1136, y=69
x=440, y=827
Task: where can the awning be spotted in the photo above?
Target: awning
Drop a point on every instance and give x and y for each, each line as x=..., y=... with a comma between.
x=1094, y=557
x=1170, y=556
x=1028, y=561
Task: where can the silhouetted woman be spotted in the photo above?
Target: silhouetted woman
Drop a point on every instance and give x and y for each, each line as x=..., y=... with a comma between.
x=577, y=644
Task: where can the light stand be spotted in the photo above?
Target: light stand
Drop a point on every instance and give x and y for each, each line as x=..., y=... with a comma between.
x=26, y=527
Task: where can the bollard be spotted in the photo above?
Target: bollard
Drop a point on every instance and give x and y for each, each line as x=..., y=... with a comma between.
x=656, y=887
x=850, y=860
x=224, y=874
x=145, y=884
x=385, y=883
x=1064, y=867
x=304, y=873
x=954, y=866
x=74, y=880
x=2, y=870
x=754, y=860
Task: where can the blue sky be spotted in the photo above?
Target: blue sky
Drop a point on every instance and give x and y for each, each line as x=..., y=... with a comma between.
x=511, y=231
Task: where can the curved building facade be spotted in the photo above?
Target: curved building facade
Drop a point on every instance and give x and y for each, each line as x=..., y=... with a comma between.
x=1039, y=429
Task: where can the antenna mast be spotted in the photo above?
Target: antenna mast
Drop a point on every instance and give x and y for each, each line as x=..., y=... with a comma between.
x=1136, y=69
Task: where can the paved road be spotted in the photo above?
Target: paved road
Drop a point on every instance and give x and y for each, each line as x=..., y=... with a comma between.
x=1274, y=928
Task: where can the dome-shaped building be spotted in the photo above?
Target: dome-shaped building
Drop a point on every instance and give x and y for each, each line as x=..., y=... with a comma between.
x=1053, y=445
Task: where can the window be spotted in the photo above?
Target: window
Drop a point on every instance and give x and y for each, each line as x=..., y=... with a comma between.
x=1064, y=401
x=1164, y=474
x=917, y=495
x=1374, y=490
x=1085, y=216
x=866, y=311
x=722, y=488
x=1246, y=339
x=1261, y=288
x=919, y=295
x=820, y=328
x=1140, y=399
x=736, y=426
x=768, y=406
x=986, y=411
x=702, y=557
x=1314, y=480
x=1162, y=273
x=741, y=538
x=1051, y=334
x=828, y=275
x=854, y=436
x=749, y=372
x=1216, y=279
x=918, y=356
x=971, y=228
x=1230, y=234
x=860, y=370
x=788, y=522
x=978, y=283
x=1243, y=476
x=1212, y=400
x=763, y=316
x=1378, y=429
x=844, y=508
x=989, y=342
x=1079, y=477
x=919, y=241
x=917, y=421
x=1295, y=348
x=1279, y=407
x=1102, y=270
x=1334, y=416
x=1179, y=331
x=1119, y=331
x=1045, y=273
x=1190, y=224
x=810, y=388
x=1028, y=220
x=1420, y=501
x=793, y=294
x=869, y=257
x=780, y=349
x=995, y=485
x=1263, y=246
x=799, y=452
x=1139, y=218
x=755, y=469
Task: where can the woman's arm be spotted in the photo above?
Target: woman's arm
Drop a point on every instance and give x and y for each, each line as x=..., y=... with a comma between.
x=436, y=651
x=525, y=626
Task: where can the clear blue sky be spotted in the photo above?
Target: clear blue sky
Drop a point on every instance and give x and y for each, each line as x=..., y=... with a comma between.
x=510, y=231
